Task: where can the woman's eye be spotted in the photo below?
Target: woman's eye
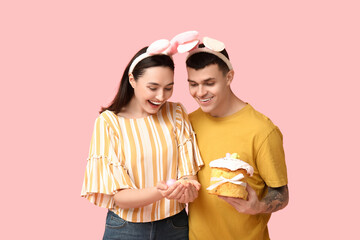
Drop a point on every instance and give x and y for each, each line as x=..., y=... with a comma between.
x=168, y=89
x=152, y=89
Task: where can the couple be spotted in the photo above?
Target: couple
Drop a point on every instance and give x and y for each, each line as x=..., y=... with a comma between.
x=141, y=141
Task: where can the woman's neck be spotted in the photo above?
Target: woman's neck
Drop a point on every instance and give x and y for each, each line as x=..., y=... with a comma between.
x=133, y=110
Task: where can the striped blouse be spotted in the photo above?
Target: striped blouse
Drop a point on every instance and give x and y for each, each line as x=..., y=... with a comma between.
x=138, y=153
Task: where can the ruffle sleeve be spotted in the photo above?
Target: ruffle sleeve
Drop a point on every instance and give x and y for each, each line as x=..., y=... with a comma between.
x=105, y=172
x=190, y=160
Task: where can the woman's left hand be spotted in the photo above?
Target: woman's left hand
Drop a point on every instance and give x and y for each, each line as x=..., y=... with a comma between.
x=175, y=191
x=184, y=190
x=190, y=193
x=192, y=187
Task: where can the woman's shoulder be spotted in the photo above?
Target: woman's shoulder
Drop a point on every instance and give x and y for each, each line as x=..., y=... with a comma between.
x=177, y=106
x=176, y=110
x=107, y=115
x=174, y=104
x=109, y=118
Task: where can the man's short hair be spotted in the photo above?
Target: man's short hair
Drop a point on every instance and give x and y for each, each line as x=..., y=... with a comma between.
x=201, y=60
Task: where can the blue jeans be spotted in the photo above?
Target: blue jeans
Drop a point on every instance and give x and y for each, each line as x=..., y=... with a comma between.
x=174, y=228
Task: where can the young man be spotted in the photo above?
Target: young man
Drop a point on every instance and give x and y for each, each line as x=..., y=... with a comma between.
x=225, y=124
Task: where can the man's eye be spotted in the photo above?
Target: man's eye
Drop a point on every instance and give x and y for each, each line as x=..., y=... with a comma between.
x=210, y=84
x=168, y=89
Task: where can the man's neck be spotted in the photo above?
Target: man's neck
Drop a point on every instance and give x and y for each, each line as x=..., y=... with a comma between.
x=230, y=106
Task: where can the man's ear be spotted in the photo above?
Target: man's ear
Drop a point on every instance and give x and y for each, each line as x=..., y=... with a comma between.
x=229, y=77
x=132, y=80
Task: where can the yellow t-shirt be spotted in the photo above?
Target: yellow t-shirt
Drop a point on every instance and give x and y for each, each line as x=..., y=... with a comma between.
x=258, y=142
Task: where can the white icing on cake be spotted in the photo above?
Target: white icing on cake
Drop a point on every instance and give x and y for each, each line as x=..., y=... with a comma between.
x=232, y=164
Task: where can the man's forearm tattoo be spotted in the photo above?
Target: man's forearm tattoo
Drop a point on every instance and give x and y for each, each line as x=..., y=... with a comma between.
x=276, y=199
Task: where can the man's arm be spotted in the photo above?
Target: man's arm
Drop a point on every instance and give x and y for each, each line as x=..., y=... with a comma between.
x=275, y=199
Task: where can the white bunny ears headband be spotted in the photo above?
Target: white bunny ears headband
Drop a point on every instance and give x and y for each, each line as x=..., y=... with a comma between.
x=183, y=42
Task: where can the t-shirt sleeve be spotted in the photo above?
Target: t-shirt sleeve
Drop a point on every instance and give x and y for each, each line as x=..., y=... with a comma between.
x=190, y=160
x=271, y=160
x=105, y=173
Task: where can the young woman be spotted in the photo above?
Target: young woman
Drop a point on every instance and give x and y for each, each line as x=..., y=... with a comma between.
x=139, y=142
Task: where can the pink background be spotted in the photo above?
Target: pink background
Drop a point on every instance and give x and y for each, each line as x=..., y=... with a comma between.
x=296, y=62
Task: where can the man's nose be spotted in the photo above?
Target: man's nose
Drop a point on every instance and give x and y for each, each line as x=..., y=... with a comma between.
x=201, y=91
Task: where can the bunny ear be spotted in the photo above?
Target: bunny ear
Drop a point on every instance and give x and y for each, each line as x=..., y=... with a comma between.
x=172, y=49
x=186, y=47
x=184, y=42
x=213, y=44
x=158, y=47
x=185, y=37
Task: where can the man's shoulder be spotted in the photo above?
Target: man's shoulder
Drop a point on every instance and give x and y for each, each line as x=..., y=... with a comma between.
x=259, y=120
x=195, y=115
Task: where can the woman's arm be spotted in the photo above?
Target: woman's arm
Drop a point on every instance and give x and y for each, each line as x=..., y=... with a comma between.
x=135, y=198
